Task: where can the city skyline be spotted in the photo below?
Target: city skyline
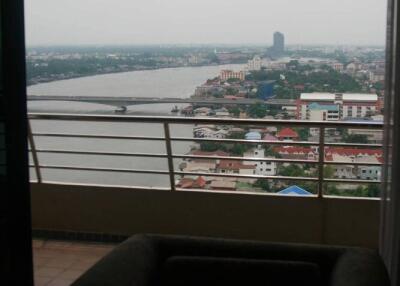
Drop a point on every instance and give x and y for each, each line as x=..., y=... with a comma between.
x=157, y=22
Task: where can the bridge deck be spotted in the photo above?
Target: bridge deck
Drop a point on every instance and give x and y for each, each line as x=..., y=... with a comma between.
x=126, y=101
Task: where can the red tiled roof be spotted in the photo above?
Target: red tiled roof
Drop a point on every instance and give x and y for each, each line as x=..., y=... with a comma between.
x=185, y=183
x=287, y=132
x=293, y=150
x=354, y=152
x=200, y=182
x=233, y=165
x=204, y=153
x=188, y=183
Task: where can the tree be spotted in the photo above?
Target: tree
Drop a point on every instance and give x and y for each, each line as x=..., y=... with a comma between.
x=329, y=172
x=235, y=111
x=231, y=91
x=292, y=170
x=233, y=80
x=269, y=152
x=238, y=149
x=356, y=138
x=237, y=135
x=332, y=190
x=303, y=133
x=210, y=146
x=257, y=110
x=293, y=64
x=262, y=184
x=373, y=190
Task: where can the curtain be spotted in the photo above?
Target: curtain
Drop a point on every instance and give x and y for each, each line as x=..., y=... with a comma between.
x=390, y=209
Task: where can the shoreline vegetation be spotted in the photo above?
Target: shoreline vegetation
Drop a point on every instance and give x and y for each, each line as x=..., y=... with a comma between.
x=121, y=71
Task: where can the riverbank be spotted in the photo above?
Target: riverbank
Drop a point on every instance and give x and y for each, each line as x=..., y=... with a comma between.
x=68, y=77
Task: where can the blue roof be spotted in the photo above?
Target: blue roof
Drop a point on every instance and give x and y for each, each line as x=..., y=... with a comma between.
x=317, y=106
x=294, y=190
x=253, y=136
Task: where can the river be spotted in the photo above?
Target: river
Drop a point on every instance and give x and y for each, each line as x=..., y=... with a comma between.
x=172, y=82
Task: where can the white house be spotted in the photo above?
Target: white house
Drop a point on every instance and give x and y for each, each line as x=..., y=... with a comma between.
x=264, y=168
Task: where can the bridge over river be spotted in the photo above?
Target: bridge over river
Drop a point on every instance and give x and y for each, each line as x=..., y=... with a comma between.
x=123, y=102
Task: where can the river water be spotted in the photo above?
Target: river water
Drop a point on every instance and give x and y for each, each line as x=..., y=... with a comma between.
x=173, y=82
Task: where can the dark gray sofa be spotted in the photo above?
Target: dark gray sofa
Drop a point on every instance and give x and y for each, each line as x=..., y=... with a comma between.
x=145, y=260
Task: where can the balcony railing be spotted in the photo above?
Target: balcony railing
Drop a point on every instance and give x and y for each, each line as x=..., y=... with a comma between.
x=169, y=155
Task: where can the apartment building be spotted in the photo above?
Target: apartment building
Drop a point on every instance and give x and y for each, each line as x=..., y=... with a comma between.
x=230, y=74
x=331, y=106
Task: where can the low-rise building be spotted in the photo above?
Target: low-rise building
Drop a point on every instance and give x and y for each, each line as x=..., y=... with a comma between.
x=358, y=156
x=377, y=75
x=297, y=152
x=295, y=191
x=253, y=135
x=223, y=185
x=205, y=132
x=190, y=183
x=339, y=67
x=235, y=167
x=369, y=172
x=200, y=167
x=263, y=168
x=287, y=134
x=341, y=105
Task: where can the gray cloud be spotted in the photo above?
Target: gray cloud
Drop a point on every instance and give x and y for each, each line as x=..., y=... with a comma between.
x=70, y=22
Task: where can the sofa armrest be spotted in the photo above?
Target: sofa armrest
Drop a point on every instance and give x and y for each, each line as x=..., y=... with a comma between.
x=134, y=262
x=359, y=267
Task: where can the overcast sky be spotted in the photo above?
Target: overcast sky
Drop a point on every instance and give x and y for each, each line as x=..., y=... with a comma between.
x=100, y=22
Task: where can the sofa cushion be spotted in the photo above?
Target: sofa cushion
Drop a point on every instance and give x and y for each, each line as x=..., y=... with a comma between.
x=213, y=271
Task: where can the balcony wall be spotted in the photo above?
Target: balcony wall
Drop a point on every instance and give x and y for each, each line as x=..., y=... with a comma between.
x=125, y=211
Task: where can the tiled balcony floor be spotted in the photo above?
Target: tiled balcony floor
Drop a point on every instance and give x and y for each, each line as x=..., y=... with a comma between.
x=59, y=263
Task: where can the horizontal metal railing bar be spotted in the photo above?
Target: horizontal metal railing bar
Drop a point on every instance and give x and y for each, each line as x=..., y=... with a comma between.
x=159, y=172
x=305, y=143
x=227, y=175
x=244, y=159
x=242, y=192
x=352, y=163
x=273, y=160
x=358, y=145
x=117, y=170
x=198, y=120
x=352, y=181
x=101, y=153
x=98, y=136
x=140, y=188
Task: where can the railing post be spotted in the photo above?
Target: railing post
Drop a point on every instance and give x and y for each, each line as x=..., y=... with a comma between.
x=169, y=156
x=321, y=160
x=34, y=153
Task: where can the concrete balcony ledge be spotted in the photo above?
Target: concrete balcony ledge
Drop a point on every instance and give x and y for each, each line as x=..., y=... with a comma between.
x=123, y=212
